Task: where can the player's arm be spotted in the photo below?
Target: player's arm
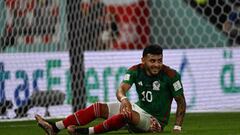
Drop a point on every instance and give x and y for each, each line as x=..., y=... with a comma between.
x=126, y=84
x=122, y=91
x=181, y=109
x=126, y=106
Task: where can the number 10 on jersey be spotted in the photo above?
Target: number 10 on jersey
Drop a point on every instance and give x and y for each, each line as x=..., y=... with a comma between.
x=147, y=96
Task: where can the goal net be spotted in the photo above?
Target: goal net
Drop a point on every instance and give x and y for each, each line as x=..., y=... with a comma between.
x=58, y=56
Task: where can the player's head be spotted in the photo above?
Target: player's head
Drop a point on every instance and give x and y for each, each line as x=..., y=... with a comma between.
x=152, y=59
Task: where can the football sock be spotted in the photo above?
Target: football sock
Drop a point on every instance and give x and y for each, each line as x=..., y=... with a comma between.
x=59, y=125
x=113, y=123
x=84, y=116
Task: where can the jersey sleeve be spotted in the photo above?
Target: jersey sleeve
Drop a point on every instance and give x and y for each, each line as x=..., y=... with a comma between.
x=129, y=77
x=176, y=85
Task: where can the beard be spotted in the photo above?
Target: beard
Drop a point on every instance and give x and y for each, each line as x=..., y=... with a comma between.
x=152, y=71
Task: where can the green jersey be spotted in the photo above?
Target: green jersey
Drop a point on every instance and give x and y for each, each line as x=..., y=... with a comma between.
x=155, y=93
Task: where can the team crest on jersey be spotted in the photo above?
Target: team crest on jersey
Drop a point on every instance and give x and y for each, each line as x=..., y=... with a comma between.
x=156, y=85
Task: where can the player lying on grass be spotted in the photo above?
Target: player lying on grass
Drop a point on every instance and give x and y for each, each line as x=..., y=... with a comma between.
x=156, y=85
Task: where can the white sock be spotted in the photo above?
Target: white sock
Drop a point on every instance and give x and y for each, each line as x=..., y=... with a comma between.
x=60, y=125
x=91, y=130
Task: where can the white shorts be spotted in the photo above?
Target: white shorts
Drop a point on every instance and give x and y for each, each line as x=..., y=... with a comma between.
x=144, y=124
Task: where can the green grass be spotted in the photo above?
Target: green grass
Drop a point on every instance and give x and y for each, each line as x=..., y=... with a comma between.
x=194, y=124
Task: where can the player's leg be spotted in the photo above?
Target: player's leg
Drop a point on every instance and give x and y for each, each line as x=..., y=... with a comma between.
x=84, y=116
x=81, y=117
x=114, y=122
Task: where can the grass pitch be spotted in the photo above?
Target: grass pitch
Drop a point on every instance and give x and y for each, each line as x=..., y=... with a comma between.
x=194, y=124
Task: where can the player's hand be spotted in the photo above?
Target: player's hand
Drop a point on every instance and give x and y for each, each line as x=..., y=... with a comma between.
x=126, y=108
x=155, y=126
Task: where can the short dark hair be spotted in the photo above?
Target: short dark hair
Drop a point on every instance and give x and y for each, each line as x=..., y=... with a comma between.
x=152, y=49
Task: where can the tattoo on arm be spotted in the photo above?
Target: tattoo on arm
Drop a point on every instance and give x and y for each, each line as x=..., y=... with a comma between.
x=181, y=109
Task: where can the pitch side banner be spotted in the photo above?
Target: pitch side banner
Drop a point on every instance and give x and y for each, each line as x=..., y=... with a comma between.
x=22, y=74
x=211, y=78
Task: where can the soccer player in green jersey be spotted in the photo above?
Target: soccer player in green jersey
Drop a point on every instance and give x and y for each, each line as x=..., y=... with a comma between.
x=156, y=85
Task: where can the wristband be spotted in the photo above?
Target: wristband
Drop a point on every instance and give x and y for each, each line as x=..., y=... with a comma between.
x=122, y=98
x=176, y=127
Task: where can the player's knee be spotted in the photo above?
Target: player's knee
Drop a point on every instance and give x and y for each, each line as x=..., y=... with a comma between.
x=102, y=109
x=123, y=118
x=127, y=117
x=135, y=119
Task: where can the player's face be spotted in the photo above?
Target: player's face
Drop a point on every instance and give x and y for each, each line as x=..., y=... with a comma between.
x=152, y=63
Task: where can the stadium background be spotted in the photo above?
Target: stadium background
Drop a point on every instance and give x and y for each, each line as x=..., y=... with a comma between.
x=59, y=56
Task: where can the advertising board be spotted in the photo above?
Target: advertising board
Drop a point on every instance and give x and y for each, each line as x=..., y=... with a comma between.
x=211, y=78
